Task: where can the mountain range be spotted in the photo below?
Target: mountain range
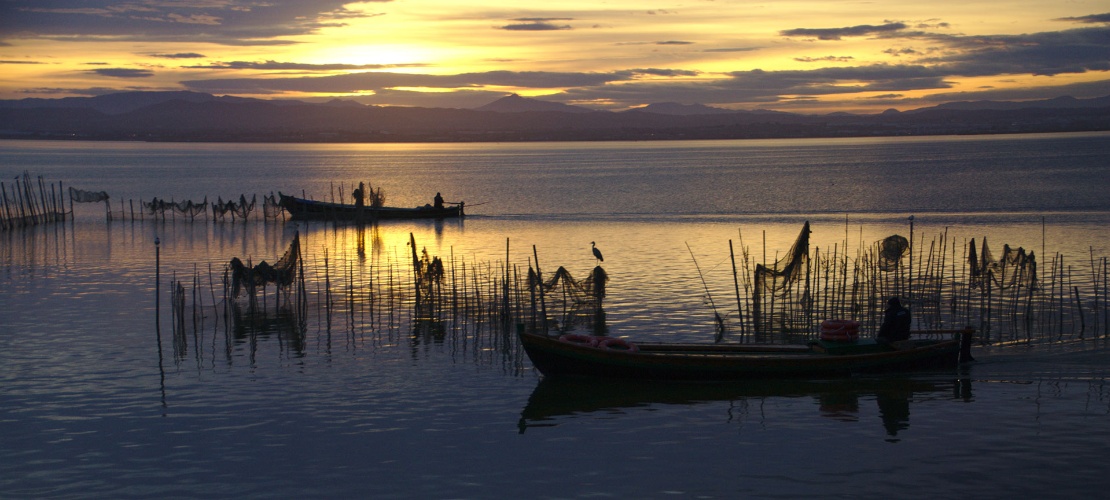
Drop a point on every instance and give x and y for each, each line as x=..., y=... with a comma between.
x=193, y=116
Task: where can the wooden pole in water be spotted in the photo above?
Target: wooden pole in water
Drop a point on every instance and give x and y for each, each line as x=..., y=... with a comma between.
x=539, y=279
x=505, y=287
x=736, y=286
x=909, y=282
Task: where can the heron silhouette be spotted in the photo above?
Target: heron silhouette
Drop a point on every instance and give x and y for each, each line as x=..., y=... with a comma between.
x=597, y=253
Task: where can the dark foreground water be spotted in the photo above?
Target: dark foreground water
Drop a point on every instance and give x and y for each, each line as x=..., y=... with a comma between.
x=100, y=397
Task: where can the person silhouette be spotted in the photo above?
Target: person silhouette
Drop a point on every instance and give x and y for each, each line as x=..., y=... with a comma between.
x=896, y=323
x=360, y=195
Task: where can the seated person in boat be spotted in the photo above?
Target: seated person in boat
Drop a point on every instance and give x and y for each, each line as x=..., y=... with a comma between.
x=896, y=323
x=438, y=204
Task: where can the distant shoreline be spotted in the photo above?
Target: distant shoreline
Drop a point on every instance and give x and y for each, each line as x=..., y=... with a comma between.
x=193, y=117
x=278, y=139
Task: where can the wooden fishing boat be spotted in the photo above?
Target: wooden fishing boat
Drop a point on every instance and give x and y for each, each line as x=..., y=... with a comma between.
x=305, y=209
x=575, y=355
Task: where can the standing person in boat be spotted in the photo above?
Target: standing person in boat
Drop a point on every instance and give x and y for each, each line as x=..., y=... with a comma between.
x=896, y=323
x=360, y=196
x=438, y=203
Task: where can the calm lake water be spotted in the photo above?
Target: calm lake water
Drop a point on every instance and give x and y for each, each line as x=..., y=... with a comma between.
x=98, y=398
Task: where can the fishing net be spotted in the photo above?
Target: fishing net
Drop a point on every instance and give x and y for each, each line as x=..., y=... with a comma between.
x=1014, y=268
x=429, y=275
x=190, y=209
x=186, y=208
x=587, y=291
x=367, y=193
x=282, y=274
x=82, y=196
x=237, y=210
x=271, y=208
x=787, y=270
x=891, y=250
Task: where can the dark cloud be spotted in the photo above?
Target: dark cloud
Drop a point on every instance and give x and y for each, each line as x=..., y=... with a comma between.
x=123, y=72
x=179, y=55
x=541, y=19
x=838, y=33
x=734, y=49
x=662, y=72
x=293, y=66
x=1049, y=53
x=1091, y=19
x=824, y=59
x=231, y=22
x=463, y=99
x=673, y=42
x=848, y=80
x=904, y=51
x=374, y=81
x=535, y=25
x=9, y=61
x=90, y=91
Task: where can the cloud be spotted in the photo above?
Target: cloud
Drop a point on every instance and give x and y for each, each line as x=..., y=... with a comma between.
x=838, y=33
x=464, y=99
x=951, y=57
x=123, y=72
x=661, y=72
x=1091, y=19
x=734, y=49
x=179, y=55
x=215, y=21
x=824, y=59
x=293, y=66
x=1049, y=53
x=537, y=24
x=923, y=54
x=375, y=81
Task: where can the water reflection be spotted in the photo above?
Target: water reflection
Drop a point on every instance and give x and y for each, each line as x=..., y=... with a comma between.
x=555, y=400
x=249, y=324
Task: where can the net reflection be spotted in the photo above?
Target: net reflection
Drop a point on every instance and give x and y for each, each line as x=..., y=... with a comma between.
x=250, y=325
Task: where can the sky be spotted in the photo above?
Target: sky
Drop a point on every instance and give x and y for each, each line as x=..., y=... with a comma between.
x=804, y=56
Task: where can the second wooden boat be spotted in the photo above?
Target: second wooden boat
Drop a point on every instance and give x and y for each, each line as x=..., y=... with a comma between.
x=306, y=209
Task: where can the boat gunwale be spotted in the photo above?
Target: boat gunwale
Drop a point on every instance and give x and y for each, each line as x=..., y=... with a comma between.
x=735, y=361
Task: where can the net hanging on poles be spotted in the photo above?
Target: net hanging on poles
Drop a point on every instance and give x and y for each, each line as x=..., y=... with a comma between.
x=1014, y=268
x=82, y=196
x=777, y=280
x=587, y=291
x=281, y=274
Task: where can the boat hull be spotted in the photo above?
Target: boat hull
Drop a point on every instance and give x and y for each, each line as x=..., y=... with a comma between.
x=304, y=209
x=556, y=358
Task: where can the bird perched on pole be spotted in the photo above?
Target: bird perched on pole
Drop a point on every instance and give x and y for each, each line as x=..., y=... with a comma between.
x=597, y=253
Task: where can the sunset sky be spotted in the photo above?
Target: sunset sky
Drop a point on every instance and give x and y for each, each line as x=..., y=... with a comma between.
x=810, y=56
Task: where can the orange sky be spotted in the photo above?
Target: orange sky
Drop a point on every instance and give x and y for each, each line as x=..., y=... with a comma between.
x=810, y=56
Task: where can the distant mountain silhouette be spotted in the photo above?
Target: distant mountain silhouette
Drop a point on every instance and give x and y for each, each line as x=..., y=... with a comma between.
x=116, y=103
x=193, y=116
x=1063, y=102
x=674, y=108
x=517, y=104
